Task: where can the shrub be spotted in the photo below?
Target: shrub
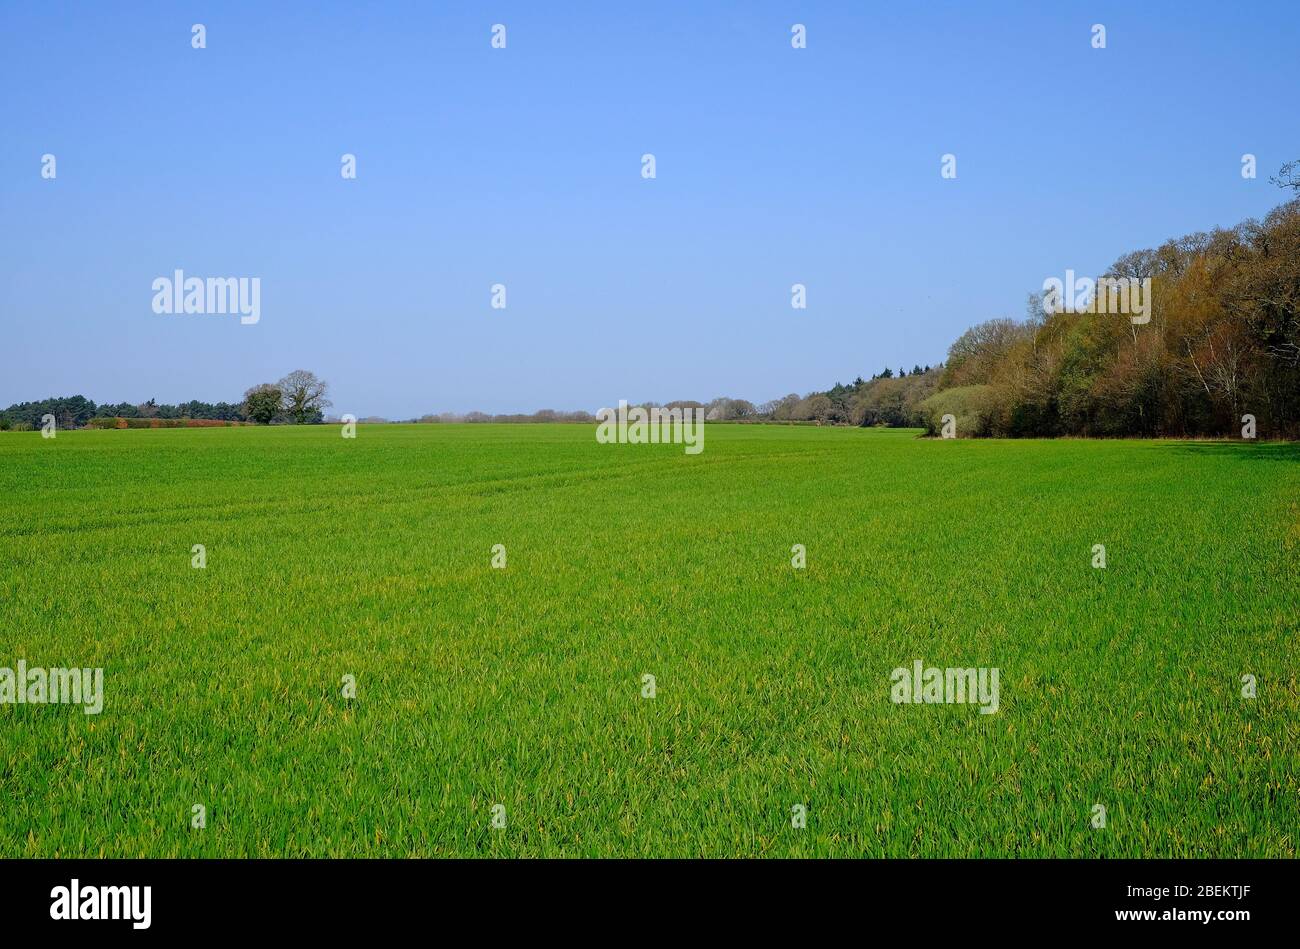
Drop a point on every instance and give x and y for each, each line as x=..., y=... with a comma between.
x=971, y=406
x=166, y=423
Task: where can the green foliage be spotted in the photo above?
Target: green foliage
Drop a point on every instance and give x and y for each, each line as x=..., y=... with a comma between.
x=78, y=412
x=71, y=412
x=893, y=402
x=262, y=403
x=970, y=406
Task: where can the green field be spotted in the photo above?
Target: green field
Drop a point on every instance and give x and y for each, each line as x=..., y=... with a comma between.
x=478, y=686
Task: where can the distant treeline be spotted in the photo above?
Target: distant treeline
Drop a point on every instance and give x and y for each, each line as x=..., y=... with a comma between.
x=1221, y=342
x=1220, y=353
x=885, y=399
x=298, y=398
x=77, y=411
x=837, y=405
x=120, y=422
x=544, y=415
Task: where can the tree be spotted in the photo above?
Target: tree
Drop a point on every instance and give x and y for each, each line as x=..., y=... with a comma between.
x=69, y=412
x=779, y=409
x=818, y=407
x=1289, y=176
x=303, y=396
x=262, y=403
x=1222, y=341
x=741, y=408
x=975, y=355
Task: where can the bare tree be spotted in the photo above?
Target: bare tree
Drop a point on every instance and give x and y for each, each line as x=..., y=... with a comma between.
x=304, y=396
x=1288, y=177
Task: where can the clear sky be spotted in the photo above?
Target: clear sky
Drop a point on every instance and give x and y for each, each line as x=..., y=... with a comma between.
x=522, y=166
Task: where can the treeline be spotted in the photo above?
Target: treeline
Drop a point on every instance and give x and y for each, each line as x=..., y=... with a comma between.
x=298, y=398
x=105, y=422
x=77, y=412
x=884, y=399
x=543, y=415
x=1222, y=343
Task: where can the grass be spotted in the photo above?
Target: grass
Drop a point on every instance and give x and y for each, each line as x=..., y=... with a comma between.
x=477, y=686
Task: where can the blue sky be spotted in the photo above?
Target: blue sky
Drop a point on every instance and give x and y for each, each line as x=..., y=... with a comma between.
x=522, y=166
